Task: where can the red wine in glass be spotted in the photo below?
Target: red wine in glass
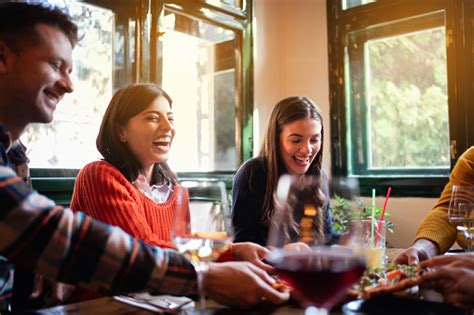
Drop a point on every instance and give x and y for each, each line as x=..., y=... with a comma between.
x=320, y=278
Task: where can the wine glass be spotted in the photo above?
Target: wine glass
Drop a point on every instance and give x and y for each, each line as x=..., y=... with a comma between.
x=461, y=212
x=202, y=228
x=318, y=273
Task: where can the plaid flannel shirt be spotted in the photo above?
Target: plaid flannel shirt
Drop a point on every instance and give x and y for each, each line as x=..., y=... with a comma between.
x=15, y=158
x=70, y=247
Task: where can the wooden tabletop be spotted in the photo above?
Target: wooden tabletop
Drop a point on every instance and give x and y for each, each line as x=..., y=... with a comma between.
x=107, y=305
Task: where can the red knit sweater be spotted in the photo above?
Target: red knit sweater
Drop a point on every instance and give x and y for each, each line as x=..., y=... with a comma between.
x=104, y=193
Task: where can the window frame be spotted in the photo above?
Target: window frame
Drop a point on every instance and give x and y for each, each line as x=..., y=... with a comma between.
x=238, y=21
x=58, y=184
x=460, y=85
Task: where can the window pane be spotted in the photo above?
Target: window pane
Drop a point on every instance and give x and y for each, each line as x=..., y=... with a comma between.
x=408, y=100
x=347, y=4
x=235, y=3
x=69, y=141
x=199, y=74
x=399, y=103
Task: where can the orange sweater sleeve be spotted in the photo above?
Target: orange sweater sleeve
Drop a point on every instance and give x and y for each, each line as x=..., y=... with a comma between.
x=436, y=226
x=104, y=193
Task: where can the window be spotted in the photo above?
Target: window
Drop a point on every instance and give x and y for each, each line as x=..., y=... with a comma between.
x=229, y=3
x=69, y=141
x=199, y=73
x=198, y=51
x=399, y=116
x=204, y=61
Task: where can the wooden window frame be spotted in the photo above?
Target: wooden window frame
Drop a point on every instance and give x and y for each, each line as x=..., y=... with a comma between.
x=458, y=16
x=58, y=184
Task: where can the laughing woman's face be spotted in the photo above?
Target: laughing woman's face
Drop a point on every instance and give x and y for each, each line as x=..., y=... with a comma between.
x=150, y=133
x=300, y=142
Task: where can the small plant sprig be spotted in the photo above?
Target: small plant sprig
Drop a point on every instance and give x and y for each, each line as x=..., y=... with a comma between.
x=342, y=213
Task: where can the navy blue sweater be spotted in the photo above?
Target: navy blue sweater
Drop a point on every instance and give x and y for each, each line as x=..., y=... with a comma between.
x=248, y=194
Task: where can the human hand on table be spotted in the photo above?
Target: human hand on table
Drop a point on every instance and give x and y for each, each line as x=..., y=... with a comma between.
x=252, y=253
x=51, y=292
x=240, y=284
x=421, y=250
x=452, y=276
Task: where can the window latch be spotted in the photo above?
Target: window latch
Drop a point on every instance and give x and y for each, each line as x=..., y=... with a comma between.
x=453, y=148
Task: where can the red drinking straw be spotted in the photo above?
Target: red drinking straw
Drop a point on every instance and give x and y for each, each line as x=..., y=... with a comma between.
x=383, y=215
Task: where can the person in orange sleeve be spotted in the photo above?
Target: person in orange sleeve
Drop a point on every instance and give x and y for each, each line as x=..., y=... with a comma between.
x=435, y=233
x=133, y=187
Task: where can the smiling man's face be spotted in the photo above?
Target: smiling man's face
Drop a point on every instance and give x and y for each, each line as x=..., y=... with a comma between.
x=37, y=76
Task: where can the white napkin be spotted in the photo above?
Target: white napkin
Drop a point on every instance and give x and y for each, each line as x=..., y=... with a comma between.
x=431, y=295
x=156, y=303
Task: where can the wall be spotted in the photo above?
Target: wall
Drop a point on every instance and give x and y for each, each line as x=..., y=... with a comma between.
x=288, y=61
x=291, y=58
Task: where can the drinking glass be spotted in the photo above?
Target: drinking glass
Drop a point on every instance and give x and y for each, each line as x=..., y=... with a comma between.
x=371, y=241
x=202, y=228
x=319, y=273
x=460, y=212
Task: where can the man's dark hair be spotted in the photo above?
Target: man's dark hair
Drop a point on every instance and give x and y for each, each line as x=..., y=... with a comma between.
x=18, y=23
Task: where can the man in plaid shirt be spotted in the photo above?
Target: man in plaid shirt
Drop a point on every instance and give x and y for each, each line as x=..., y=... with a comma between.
x=36, y=234
x=18, y=161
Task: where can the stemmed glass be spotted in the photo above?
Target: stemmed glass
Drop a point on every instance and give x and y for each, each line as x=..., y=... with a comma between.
x=319, y=273
x=461, y=212
x=202, y=228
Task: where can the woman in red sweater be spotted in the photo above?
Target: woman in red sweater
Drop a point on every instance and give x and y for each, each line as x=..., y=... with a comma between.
x=133, y=187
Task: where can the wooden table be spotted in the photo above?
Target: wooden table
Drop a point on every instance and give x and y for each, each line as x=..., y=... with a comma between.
x=108, y=305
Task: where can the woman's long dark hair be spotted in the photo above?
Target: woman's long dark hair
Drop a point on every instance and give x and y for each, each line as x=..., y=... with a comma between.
x=126, y=103
x=286, y=111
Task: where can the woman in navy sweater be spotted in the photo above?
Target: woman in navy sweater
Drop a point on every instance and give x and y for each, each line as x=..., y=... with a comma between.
x=292, y=145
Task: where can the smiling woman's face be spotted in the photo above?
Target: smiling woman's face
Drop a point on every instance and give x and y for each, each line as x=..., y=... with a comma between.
x=300, y=142
x=149, y=134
